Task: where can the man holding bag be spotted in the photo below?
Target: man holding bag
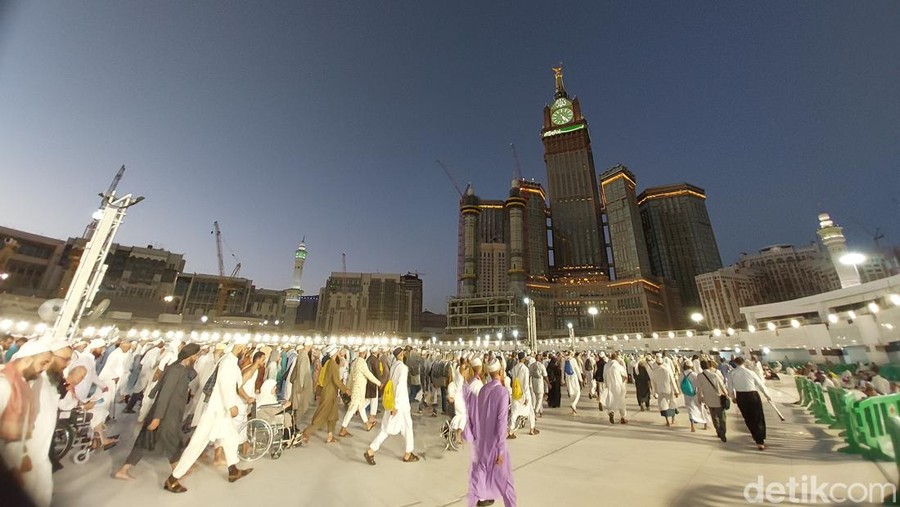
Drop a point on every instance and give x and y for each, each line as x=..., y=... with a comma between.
x=711, y=392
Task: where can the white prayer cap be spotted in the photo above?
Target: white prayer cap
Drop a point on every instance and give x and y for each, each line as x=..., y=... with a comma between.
x=58, y=345
x=96, y=343
x=31, y=348
x=475, y=362
x=602, y=354
x=363, y=349
x=156, y=341
x=331, y=350
x=493, y=366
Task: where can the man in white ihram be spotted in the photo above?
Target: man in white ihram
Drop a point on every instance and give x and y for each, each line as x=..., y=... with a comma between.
x=615, y=376
x=572, y=371
x=524, y=404
x=215, y=424
x=398, y=420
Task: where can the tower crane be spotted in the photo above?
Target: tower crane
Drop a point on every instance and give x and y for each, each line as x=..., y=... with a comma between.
x=517, y=169
x=220, y=256
x=450, y=177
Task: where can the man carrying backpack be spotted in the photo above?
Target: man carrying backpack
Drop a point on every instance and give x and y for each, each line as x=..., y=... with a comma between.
x=522, y=402
x=572, y=371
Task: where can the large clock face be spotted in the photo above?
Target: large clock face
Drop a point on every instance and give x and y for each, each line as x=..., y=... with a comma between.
x=562, y=116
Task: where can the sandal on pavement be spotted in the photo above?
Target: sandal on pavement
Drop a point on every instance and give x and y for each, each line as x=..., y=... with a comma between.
x=237, y=473
x=412, y=457
x=173, y=485
x=370, y=459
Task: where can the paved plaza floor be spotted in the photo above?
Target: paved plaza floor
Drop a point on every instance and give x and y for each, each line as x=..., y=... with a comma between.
x=575, y=459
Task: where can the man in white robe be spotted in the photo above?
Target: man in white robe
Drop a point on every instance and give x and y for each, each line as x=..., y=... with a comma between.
x=359, y=376
x=538, y=373
x=615, y=376
x=215, y=424
x=572, y=371
x=662, y=382
x=17, y=404
x=399, y=419
x=524, y=404
x=39, y=481
x=148, y=366
x=113, y=372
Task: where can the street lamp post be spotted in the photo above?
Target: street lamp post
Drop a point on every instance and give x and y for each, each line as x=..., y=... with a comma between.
x=531, y=322
x=571, y=333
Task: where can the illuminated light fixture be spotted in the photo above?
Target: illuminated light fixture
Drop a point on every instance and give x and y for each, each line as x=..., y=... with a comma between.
x=851, y=314
x=671, y=334
x=676, y=351
x=697, y=317
x=6, y=325
x=751, y=328
x=873, y=307
x=204, y=336
x=852, y=259
x=766, y=350
x=717, y=332
x=145, y=333
x=895, y=299
x=737, y=350
x=204, y=319
x=795, y=323
x=594, y=339
x=771, y=326
x=638, y=336
x=690, y=334
x=832, y=318
x=730, y=331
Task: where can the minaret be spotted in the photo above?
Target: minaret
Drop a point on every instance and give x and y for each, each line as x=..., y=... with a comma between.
x=299, y=259
x=468, y=208
x=832, y=237
x=292, y=295
x=515, y=206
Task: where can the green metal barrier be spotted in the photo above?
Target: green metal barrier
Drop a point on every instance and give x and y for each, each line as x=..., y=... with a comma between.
x=819, y=407
x=890, y=372
x=893, y=429
x=798, y=380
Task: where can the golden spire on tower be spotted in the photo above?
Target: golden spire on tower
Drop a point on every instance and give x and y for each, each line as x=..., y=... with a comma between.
x=560, y=87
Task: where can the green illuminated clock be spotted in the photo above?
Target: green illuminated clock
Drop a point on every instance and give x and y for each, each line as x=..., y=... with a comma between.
x=562, y=116
x=300, y=254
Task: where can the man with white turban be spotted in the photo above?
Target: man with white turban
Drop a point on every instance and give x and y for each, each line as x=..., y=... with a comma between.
x=399, y=418
x=522, y=402
x=615, y=376
x=359, y=376
x=19, y=407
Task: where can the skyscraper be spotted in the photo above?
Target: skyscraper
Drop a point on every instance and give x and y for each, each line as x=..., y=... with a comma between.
x=679, y=237
x=293, y=295
x=578, y=242
x=626, y=235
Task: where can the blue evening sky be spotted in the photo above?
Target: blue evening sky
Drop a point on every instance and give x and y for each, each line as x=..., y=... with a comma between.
x=324, y=119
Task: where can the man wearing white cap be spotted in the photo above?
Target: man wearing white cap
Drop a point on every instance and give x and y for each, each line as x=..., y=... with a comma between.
x=490, y=473
x=572, y=370
x=399, y=418
x=538, y=372
x=522, y=402
x=114, y=371
x=359, y=376
x=39, y=482
x=18, y=407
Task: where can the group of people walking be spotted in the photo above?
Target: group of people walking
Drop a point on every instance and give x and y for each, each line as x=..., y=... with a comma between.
x=209, y=391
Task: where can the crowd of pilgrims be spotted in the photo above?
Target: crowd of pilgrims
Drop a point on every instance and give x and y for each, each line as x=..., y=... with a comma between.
x=190, y=396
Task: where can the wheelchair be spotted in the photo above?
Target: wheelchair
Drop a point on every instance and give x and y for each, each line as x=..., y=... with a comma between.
x=448, y=434
x=73, y=432
x=269, y=431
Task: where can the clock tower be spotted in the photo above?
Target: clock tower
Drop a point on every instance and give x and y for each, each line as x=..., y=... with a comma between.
x=579, y=246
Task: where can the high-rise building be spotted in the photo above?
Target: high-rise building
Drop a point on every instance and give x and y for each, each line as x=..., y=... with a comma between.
x=369, y=303
x=626, y=235
x=537, y=256
x=777, y=273
x=679, y=237
x=213, y=296
x=578, y=241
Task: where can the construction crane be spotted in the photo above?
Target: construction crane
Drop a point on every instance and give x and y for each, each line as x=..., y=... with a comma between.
x=89, y=230
x=517, y=169
x=218, y=233
x=344, y=262
x=450, y=177
x=876, y=236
